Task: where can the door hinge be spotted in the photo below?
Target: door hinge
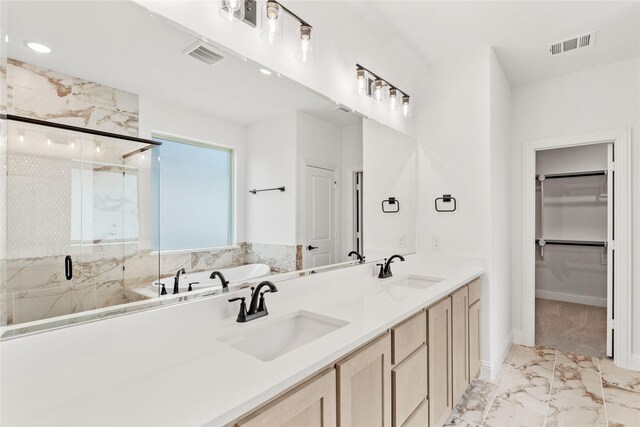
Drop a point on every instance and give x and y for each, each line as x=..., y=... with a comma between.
x=612, y=245
x=612, y=167
x=611, y=324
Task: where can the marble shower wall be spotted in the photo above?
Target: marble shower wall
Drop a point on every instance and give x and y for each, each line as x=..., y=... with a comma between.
x=39, y=93
x=46, y=217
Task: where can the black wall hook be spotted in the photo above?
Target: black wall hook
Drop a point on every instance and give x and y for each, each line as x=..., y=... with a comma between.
x=446, y=198
x=391, y=201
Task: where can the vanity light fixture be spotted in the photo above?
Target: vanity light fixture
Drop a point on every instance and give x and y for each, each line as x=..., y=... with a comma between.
x=379, y=90
x=361, y=80
x=272, y=28
x=38, y=47
x=406, y=107
x=232, y=10
x=374, y=86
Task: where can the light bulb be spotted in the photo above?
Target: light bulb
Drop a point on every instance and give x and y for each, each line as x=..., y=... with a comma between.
x=142, y=156
x=394, y=98
x=305, y=54
x=72, y=145
x=48, y=141
x=406, y=107
x=97, y=148
x=361, y=79
x=272, y=22
x=21, y=137
x=232, y=10
x=379, y=90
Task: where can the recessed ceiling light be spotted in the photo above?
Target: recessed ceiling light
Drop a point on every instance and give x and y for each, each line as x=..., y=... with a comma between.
x=265, y=71
x=40, y=48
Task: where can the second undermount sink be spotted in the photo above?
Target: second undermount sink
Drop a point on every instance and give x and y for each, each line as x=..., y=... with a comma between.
x=417, y=282
x=271, y=340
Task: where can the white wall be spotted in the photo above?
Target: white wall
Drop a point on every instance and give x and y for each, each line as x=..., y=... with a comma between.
x=389, y=170
x=463, y=142
x=351, y=161
x=590, y=100
x=158, y=118
x=499, y=261
x=271, y=162
x=342, y=39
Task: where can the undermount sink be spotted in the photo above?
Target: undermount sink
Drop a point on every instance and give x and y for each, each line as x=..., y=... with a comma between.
x=270, y=341
x=418, y=282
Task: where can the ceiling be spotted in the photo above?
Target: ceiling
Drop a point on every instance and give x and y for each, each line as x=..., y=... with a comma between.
x=144, y=55
x=519, y=31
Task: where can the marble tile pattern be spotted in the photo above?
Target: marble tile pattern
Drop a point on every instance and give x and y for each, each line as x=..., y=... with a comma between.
x=540, y=386
x=39, y=93
x=35, y=288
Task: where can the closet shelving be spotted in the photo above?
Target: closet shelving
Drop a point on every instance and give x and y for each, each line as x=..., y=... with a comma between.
x=564, y=242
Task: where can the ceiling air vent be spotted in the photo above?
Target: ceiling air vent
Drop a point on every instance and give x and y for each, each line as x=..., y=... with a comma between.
x=203, y=53
x=572, y=43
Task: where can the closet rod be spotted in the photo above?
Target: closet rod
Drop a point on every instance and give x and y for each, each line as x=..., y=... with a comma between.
x=574, y=242
x=572, y=174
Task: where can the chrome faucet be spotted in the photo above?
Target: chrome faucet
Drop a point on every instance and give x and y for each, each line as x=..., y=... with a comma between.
x=357, y=254
x=225, y=283
x=385, y=269
x=257, y=307
x=176, y=281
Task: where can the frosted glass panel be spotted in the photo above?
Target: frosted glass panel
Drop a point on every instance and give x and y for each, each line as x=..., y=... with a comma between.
x=193, y=198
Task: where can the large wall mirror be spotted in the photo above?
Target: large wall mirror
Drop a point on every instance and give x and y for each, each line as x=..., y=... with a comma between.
x=243, y=171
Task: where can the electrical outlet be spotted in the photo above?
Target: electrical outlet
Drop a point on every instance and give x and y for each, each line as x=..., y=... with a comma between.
x=436, y=243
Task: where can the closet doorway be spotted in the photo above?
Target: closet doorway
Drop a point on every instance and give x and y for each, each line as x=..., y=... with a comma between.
x=574, y=241
x=619, y=236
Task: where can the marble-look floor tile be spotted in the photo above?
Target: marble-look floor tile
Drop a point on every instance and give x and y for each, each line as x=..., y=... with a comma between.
x=618, y=377
x=539, y=360
x=474, y=404
x=623, y=406
x=576, y=392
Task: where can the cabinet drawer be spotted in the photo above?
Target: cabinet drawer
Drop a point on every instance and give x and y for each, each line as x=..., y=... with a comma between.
x=409, y=385
x=408, y=336
x=420, y=417
x=474, y=291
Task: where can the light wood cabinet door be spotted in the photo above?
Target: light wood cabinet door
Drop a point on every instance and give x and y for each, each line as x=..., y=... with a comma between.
x=439, y=348
x=474, y=339
x=460, y=342
x=409, y=385
x=364, y=386
x=313, y=404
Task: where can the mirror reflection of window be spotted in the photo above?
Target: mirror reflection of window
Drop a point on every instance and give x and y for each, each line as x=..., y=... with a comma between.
x=192, y=196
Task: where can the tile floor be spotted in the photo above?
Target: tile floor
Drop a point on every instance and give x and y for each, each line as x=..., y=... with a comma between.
x=540, y=386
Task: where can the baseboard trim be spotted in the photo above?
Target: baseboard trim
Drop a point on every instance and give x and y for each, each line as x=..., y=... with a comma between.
x=489, y=370
x=635, y=361
x=517, y=337
x=574, y=298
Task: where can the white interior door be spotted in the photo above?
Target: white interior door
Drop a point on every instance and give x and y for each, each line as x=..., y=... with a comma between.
x=320, y=247
x=610, y=248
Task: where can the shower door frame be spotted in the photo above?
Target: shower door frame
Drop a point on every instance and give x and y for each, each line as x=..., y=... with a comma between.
x=621, y=141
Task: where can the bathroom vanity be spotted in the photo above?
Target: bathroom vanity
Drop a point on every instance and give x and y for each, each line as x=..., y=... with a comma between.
x=411, y=375
x=341, y=347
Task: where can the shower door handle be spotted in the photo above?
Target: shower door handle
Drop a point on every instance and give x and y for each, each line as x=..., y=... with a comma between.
x=68, y=267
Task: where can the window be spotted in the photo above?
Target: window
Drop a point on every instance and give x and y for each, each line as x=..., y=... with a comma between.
x=192, y=192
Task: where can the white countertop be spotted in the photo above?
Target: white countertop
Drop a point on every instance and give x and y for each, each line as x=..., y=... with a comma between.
x=166, y=367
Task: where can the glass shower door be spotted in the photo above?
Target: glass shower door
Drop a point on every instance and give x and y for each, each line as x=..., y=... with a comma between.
x=43, y=224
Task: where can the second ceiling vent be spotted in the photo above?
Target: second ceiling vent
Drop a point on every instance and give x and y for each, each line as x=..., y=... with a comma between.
x=573, y=43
